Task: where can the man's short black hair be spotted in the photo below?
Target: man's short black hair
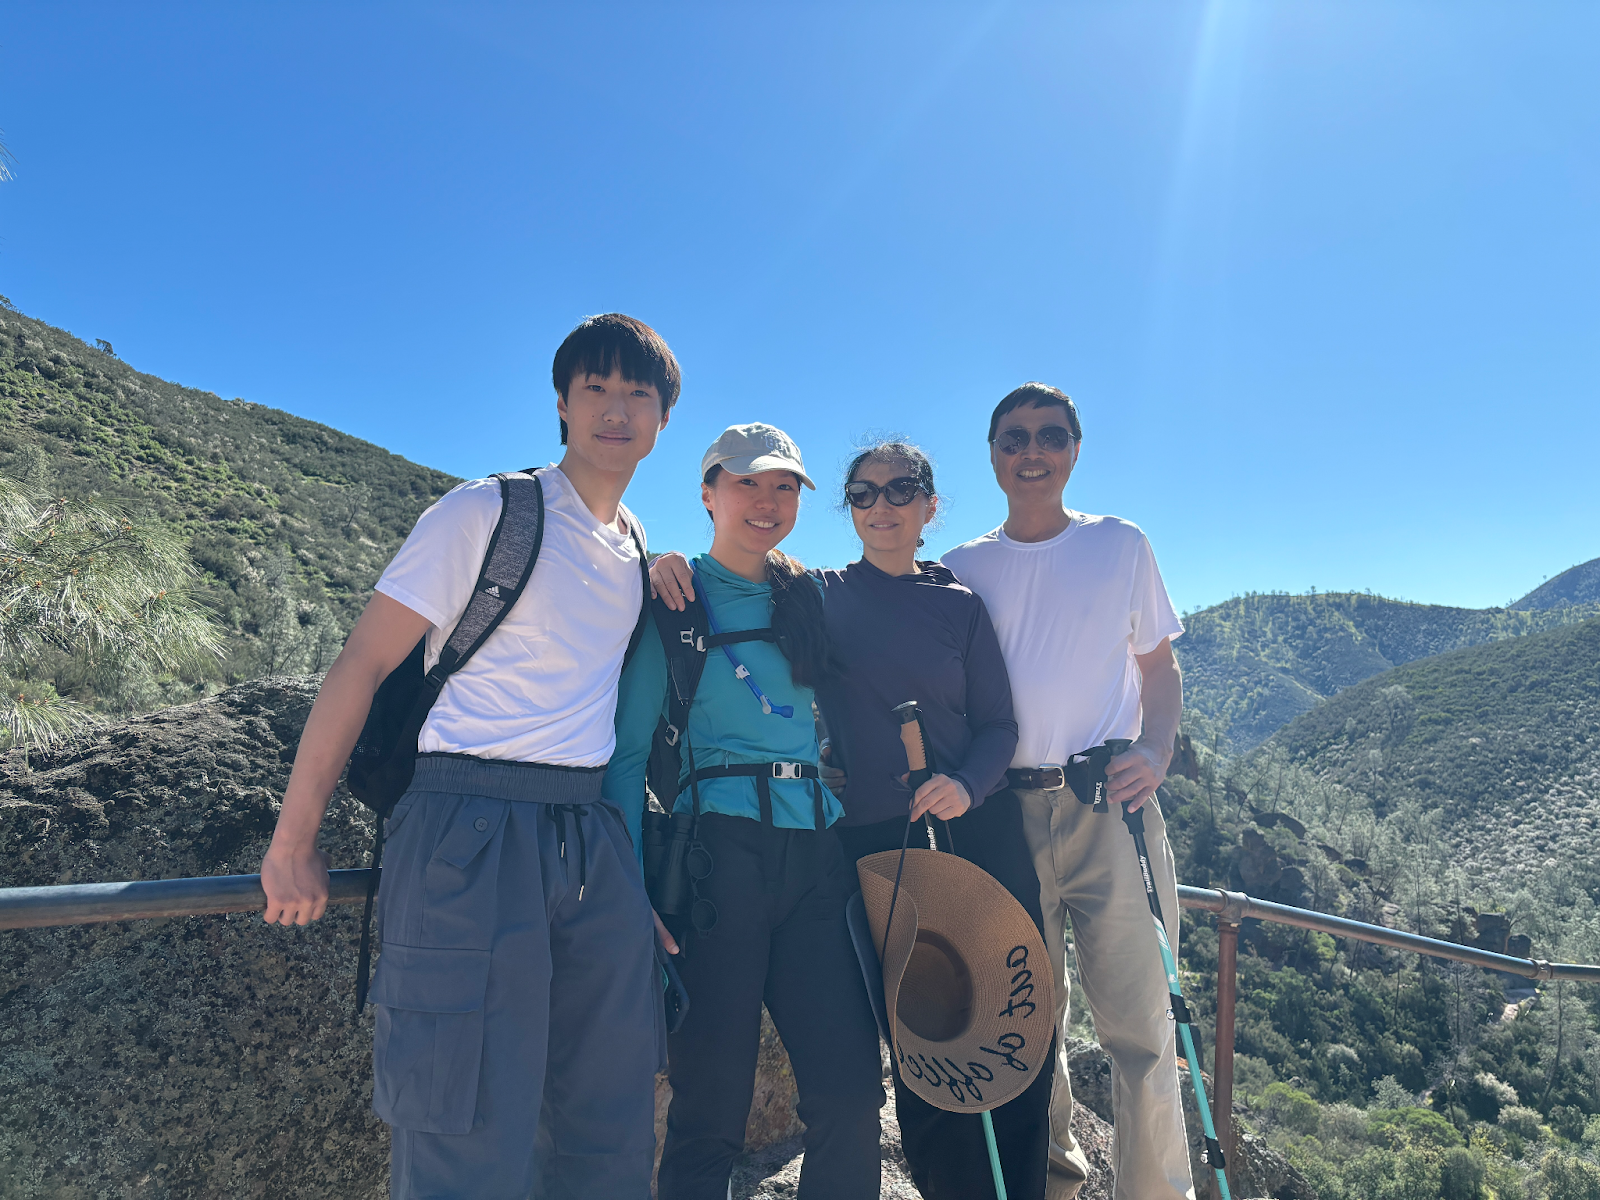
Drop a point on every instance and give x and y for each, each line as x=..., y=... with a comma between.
x=611, y=342
x=1040, y=395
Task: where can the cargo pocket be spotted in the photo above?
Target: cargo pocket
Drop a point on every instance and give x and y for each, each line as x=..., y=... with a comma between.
x=427, y=1047
x=461, y=879
x=476, y=822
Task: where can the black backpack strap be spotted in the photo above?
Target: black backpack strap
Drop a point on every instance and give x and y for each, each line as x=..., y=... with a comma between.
x=740, y=635
x=684, y=640
x=364, y=958
x=644, y=602
x=508, y=564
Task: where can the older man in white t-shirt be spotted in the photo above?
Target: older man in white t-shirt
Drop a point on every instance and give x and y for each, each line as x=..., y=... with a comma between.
x=1086, y=629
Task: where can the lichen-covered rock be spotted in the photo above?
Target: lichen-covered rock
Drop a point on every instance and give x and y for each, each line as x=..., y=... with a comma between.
x=192, y=1057
x=1089, y=1068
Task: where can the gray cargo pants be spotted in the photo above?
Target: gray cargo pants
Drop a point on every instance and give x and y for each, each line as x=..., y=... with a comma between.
x=502, y=991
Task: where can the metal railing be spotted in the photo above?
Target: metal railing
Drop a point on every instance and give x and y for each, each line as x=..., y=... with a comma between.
x=1234, y=907
x=87, y=903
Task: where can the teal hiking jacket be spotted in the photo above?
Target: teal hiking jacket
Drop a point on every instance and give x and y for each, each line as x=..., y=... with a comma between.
x=726, y=724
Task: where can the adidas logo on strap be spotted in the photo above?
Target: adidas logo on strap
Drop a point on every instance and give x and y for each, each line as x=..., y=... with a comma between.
x=492, y=590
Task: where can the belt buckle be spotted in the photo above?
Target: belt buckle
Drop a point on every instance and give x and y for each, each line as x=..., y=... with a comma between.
x=1061, y=776
x=787, y=770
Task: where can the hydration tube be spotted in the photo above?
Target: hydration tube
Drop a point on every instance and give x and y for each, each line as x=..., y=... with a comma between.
x=740, y=671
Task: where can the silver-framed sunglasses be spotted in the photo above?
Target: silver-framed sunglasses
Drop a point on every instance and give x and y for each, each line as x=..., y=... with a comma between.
x=1052, y=439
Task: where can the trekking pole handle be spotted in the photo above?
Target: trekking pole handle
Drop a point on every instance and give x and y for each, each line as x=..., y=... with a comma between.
x=914, y=739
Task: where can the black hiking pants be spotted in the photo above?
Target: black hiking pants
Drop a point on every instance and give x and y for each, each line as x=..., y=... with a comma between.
x=946, y=1151
x=780, y=937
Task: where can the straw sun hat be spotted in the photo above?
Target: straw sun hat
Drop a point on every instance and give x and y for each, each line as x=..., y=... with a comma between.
x=966, y=979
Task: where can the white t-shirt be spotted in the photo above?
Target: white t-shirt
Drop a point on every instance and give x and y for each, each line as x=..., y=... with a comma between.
x=1071, y=613
x=543, y=688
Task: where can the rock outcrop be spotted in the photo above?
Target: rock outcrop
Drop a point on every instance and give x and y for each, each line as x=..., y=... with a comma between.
x=193, y=1057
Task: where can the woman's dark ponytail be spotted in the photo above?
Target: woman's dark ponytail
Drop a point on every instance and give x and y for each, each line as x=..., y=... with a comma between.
x=797, y=620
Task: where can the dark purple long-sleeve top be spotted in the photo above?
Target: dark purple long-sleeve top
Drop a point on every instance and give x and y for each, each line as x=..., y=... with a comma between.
x=921, y=637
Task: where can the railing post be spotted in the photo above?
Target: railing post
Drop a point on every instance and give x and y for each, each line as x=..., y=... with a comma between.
x=1222, y=1072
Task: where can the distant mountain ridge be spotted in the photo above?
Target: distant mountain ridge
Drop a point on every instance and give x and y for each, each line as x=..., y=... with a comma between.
x=1254, y=663
x=1579, y=585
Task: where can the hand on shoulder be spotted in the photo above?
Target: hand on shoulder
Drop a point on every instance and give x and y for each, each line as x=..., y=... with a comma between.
x=672, y=580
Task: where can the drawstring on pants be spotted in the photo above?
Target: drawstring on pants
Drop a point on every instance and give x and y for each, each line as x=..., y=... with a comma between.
x=558, y=814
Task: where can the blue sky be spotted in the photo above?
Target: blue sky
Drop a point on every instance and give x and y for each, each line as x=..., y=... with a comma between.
x=1322, y=276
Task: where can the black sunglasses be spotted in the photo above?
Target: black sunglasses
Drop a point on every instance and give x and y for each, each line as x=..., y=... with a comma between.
x=1052, y=439
x=863, y=493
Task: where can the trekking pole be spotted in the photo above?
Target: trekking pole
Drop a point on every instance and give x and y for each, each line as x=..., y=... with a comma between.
x=1179, y=1011
x=914, y=737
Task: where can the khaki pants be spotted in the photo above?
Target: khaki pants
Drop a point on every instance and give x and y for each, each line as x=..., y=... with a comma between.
x=1089, y=875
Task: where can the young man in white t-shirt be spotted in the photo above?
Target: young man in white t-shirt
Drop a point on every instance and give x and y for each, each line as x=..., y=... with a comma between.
x=1086, y=630
x=517, y=991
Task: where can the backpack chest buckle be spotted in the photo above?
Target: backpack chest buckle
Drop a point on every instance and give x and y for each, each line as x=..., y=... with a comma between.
x=787, y=770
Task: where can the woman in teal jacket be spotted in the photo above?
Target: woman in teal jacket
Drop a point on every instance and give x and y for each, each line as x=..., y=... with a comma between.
x=768, y=924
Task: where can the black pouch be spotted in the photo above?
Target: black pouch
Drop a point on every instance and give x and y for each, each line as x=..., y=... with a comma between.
x=1086, y=773
x=667, y=837
x=674, y=996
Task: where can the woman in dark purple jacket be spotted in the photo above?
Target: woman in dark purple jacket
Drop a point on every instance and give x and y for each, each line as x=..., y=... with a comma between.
x=908, y=630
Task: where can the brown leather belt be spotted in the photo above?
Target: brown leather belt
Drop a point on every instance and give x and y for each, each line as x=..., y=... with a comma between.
x=1041, y=779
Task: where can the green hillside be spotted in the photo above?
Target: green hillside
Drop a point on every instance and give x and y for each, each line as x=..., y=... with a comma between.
x=1254, y=663
x=1501, y=741
x=1456, y=796
x=291, y=521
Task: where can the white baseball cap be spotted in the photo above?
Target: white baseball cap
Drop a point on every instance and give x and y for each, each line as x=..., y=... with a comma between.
x=752, y=449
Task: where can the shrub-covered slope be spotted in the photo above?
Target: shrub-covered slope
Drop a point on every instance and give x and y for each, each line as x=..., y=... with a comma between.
x=291, y=521
x=1576, y=585
x=1502, y=740
x=1254, y=663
